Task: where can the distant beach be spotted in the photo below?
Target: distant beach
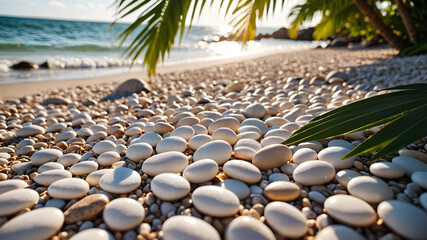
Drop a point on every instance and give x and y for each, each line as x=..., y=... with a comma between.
x=79, y=50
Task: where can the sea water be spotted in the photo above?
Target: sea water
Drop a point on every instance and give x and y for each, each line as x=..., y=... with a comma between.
x=78, y=49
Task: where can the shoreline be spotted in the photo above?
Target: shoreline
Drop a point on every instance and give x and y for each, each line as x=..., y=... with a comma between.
x=16, y=90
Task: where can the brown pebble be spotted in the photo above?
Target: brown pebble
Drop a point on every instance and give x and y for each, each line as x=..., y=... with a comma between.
x=86, y=208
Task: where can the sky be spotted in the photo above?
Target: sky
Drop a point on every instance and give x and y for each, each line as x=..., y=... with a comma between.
x=102, y=10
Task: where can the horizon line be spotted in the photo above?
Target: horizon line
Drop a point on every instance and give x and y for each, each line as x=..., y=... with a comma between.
x=103, y=21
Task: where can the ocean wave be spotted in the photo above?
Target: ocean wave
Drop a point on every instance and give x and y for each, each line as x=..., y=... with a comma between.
x=73, y=48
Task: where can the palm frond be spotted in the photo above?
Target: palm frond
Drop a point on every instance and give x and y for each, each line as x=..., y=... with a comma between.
x=402, y=110
x=306, y=11
x=161, y=21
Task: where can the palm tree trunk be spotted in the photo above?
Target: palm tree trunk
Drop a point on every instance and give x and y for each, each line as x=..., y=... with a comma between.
x=376, y=21
x=407, y=21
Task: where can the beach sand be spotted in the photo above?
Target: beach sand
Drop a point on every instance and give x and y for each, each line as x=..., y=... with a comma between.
x=200, y=154
x=376, y=65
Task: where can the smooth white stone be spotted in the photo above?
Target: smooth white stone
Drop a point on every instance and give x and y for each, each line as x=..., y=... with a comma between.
x=139, y=151
x=201, y=171
x=94, y=177
x=170, y=186
x=121, y=180
x=255, y=110
x=199, y=129
x=237, y=187
x=404, y=218
x=333, y=156
x=283, y=133
x=83, y=168
x=267, y=141
x=30, y=130
x=341, y=143
x=51, y=176
x=409, y=164
x=103, y=146
x=50, y=166
x=248, y=228
x=371, y=189
x=303, y=155
x=185, y=132
x=243, y=171
x=415, y=154
x=250, y=143
x=337, y=232
x=244, y=153
x=168, y=162
x=257, y=123
x=65, y=136
x=197, y=141
x=69, y=159
x=11, y=184
x=225, y=134
x=286, y=219
x=219, y=151
x=16, y=200
x=68, y=188
x=21, y=167
x=315, y=145
x=314, y=173
x=272, y=156
x=93, y=233
x=228, y=122
x=420, y=178
x=123, y=214
x=386, y=170
x=108, y=158
x=215, y=201
x=44, y=156
x=278, y=177
x=169, y=144
x=56, y=127
x=28, y=226
x=151, y=138
x=350, y=210
x=344, y=176
x=188, y=228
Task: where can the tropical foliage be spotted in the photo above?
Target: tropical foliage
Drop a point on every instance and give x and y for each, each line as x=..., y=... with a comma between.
x=164, y=19
x=404, y=111
x=343, y=17
x=339, y=16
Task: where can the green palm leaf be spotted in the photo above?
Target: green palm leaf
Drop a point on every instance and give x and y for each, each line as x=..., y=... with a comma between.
x=161, y=20
x=404, y=110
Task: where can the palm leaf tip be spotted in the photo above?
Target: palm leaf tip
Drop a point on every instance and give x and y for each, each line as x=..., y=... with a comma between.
x=404, y=111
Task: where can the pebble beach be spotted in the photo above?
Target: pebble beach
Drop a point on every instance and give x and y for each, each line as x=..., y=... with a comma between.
x=197, y=154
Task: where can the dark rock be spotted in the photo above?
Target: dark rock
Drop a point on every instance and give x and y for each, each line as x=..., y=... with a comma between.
x=57, y=101
x=305, y=34
x=134, y=85
x=25, y=65
x=44, y=65
x=282, y=33
x=129, y=87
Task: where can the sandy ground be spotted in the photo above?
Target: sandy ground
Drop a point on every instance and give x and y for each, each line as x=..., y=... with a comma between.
x=17, y=90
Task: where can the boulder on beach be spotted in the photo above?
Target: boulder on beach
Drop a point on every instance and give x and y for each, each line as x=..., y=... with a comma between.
x=134, y=85
x=57, y=101
x=25, y=65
